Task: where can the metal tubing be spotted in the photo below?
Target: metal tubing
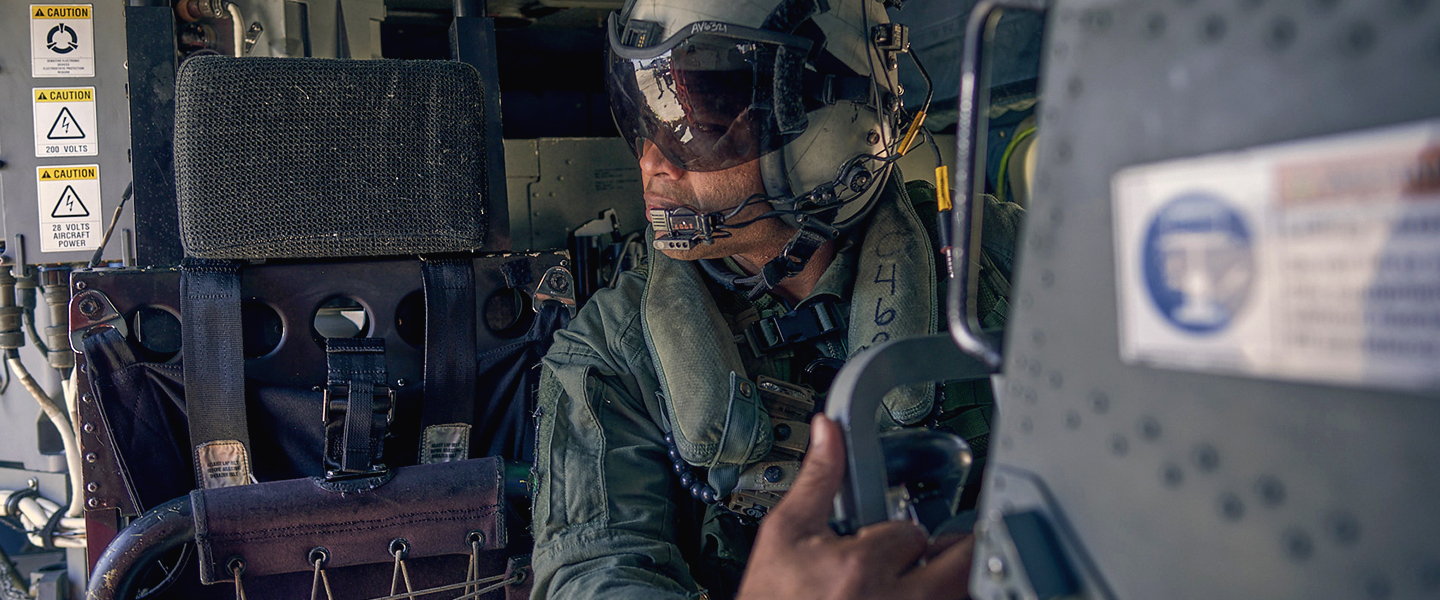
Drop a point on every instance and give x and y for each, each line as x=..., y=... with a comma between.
x=237, y=28
x=856, y=396
x=969, y=133
x=164, y=528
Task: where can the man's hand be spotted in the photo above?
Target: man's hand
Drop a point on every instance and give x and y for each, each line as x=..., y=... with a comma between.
x=797, y=556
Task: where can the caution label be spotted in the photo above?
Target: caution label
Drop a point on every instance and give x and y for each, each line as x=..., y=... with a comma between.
x=69, y=208
x=65, y=122
x=62, y=40
x=1316, y=260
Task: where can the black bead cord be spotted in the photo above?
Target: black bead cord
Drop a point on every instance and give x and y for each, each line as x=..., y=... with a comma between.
x=698, y=489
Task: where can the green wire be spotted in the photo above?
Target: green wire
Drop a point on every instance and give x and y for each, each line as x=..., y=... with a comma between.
x=1005, y=162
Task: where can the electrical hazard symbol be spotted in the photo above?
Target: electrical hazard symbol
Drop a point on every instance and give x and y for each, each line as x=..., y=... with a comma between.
x=65, y=122
x=70, y=205
x=69, y=200
x=65, y=127
x=62, y=40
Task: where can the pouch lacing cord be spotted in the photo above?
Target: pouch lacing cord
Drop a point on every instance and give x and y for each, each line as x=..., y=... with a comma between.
x=237, y=568
x=319, y=557
x=474, y=585
x=476, y=539
x=400, y=548
x=495, y=582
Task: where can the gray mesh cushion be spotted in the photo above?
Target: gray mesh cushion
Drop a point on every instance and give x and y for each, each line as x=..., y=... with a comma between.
x=323, y=158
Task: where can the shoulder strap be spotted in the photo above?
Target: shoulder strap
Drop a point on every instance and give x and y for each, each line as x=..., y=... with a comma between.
x=214, y=361
x=450, y=355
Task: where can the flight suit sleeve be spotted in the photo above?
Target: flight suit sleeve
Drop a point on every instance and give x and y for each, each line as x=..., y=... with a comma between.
x=604, y=517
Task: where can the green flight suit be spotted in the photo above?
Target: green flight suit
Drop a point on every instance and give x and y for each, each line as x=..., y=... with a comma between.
x=662, y=352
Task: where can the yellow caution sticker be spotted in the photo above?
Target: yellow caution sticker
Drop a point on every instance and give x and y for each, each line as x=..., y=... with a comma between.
x=81, y=11
x=69, y=208
x=65, y=123
x=62, y=40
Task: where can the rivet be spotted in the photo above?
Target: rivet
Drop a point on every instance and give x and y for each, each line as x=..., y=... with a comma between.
x=1359, y=38
x=1072, y=419
x=1119, y=445
x=92, y=487
x=1213, y=29
x=1027, y=425
x=1149, y=429
x=91, y=457
x=401, y=383
x=1207, y=458
x=1099, y=402
x=995, y=566
x=1344, y=528
x=1271, y=491
x=1231, y=507
x=1056, y=380
x=86, y=397
x=1155, y=25
x=93, y=503
x=1298, y=545
x=1171, y=475
x=80, y=285
x=745, y=389
x=88, y=428
x=1280, y=34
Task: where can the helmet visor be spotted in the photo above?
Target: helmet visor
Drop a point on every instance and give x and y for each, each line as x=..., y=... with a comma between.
x=711, y=97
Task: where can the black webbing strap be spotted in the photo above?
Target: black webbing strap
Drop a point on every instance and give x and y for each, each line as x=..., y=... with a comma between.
x=214, y=363
x=450, y=355
x=359, y=405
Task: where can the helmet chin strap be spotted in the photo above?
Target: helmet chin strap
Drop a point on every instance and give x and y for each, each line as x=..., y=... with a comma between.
x=791, y=261
x=812, y=234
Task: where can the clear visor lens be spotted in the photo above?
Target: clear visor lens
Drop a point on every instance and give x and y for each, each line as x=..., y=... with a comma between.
x=706, y=103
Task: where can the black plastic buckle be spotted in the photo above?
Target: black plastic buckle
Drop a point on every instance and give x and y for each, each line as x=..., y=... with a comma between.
x=811, y=322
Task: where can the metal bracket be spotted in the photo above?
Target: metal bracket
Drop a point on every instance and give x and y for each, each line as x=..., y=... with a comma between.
x=556, y=286
x=90, y=309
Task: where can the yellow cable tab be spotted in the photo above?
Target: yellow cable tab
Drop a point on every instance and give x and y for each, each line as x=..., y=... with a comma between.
x=942, y=188
x=910, y=135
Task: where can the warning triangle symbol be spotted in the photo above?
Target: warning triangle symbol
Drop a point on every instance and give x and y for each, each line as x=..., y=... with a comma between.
x=40, y=96
x=40, y=12
x=69, y=205
x=44, y=174
x=65, y=127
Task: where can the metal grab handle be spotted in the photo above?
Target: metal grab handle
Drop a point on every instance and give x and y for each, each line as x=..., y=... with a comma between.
x=967, y=217
x=116, y=575
x=856, y=396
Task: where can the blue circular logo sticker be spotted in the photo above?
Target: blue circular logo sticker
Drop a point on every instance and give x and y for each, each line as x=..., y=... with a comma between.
x=1198, y=262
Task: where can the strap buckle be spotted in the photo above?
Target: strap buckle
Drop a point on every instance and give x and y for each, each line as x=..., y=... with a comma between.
x=810, y=322
x=342, y=461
